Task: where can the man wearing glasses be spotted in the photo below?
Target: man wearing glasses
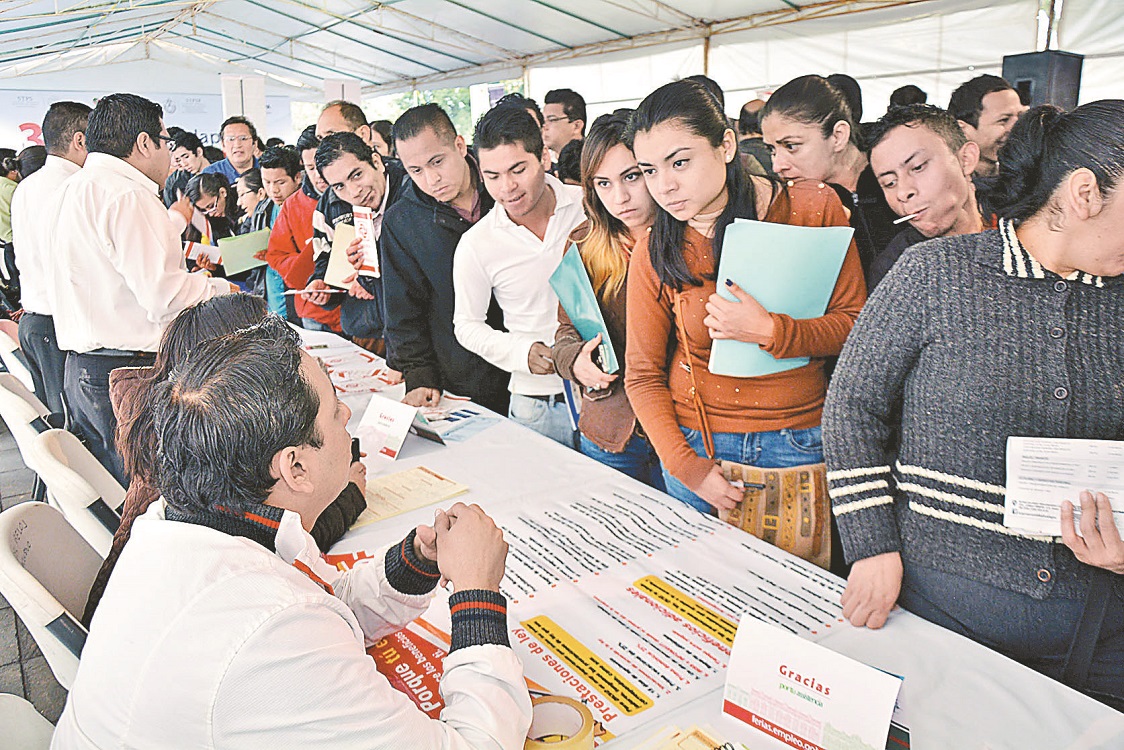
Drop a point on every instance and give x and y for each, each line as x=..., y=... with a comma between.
x=238, y=139
x=563, y=119
x=117, y=275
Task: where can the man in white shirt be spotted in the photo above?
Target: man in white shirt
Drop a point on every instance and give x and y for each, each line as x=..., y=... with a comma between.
x=511, y=253
x=222, y=626
x=117, y=271
x=33, y=224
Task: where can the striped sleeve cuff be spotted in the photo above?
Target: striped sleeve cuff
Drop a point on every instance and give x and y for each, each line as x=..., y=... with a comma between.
x=863, y=505
x=408, y=573
x=479, y=618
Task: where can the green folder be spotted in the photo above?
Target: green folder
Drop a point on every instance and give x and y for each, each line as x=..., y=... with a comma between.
x=238, y=252
x=788, y=269
x=570, y=282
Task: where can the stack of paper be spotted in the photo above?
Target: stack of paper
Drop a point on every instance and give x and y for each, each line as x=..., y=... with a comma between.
x=397, y=493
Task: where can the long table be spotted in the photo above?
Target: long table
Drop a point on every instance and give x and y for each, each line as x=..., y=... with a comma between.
x=627, y=599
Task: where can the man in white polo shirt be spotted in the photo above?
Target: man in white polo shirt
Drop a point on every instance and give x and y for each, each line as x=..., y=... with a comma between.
x=33, y=226
x=511, y=253
x=118, y=274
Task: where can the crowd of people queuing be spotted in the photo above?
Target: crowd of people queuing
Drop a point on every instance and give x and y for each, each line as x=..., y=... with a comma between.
x=981, y=298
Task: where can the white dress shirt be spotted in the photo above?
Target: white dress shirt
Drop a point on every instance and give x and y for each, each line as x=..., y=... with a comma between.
x=32, y=227
x=118, y=273
x=499, y=256
x=207, y=640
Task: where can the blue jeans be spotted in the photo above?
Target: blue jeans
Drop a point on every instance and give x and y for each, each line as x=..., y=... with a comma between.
x=311, y=324
x=548, y=418
x=275, y=292
x=638, y=460
x=779, y=449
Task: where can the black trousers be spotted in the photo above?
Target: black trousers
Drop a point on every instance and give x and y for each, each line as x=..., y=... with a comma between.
x=86, y=384
x=45, y=360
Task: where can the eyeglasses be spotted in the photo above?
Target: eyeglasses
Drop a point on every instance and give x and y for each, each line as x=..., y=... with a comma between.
x=211, y=208
x=557, y=119
x=167, y=139
x=237, y=139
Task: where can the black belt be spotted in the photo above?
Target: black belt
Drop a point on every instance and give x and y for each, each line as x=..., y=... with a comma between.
x=118, y=353
x=557, y=398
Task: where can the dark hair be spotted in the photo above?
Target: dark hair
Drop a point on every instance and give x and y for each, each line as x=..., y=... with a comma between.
x=749, y=121
x=174, y=132
x=711, y=86
x=850, y=89
x=31, y=160
x=213, y=154
x=218, y=316
x=967, y=101
x=917, y=115
x=504, y=125
x=907, y=95
x=813, y=100
x=385, y=129
x=239, y=120
x=9, y=162
x=307, y=139
x=273, y=142
x=209, y=183
x=573, y=104
x=62, y=121
x=570, y=162
x=351, y=113
x=515, y=99
x=334, y=146
x=688, y=103
x=225, y=412
x=1046, y=145
x=416, y=119
x=281, y=157
x=252, y=179
x=118, y=120
x=188, y=140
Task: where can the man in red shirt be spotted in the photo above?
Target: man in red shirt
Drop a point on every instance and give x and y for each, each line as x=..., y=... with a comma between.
x=290, y=242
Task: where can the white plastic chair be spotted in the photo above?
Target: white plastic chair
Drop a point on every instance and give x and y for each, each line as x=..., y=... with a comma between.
x=79, y=486
x=26, y=417
x=46, y=571
x=23, y=727
x=11, y=355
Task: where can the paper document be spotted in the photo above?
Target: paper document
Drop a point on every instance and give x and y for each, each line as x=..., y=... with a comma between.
x=570, y=282
x=384, y=425
x=1042, y=473
x=338, y=266
x=805, y=695
x=397, y=493
x=789, y=270
x=365, y=230
x=192, y=251
x=238, y=252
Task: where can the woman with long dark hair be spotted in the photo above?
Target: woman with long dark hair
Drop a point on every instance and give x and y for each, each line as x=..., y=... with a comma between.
x=688, y=156
x=811, y=129
x=620, y=212
x=130, y=391
x=974, y=339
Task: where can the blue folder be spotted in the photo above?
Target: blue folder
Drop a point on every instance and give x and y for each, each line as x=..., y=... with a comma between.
x=570, y=282
x=788, y=269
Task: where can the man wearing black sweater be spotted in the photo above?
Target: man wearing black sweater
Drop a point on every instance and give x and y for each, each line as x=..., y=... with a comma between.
x=445, y=196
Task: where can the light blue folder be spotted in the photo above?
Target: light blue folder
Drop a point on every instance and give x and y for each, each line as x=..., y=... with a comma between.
x=789, y=270
x=570, y=282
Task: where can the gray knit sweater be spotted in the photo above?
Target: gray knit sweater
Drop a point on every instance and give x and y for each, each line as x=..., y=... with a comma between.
x=975, y=342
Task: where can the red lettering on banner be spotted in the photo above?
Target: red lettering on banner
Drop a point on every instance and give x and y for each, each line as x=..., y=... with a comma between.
x=33, y=132
x=412, y=665
x=769, y=728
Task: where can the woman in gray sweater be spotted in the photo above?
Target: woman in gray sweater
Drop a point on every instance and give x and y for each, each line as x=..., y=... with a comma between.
x=970, y=340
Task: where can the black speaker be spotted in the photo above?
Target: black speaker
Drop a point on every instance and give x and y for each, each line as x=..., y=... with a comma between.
x=1049, y=77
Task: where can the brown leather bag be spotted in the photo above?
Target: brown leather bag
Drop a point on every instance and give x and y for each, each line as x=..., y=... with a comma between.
x=788, y=508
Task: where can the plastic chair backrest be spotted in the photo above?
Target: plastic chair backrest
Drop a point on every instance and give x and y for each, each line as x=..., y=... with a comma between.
x=79, y=486
x=23, y=727
x=25, y=415
x=12, y=356
x=46, y=571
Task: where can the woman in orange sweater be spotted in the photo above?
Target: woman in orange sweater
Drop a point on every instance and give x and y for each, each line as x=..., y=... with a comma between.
x=689, y=159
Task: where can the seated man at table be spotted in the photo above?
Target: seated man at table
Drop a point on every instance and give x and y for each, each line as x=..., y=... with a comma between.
x=223, y=627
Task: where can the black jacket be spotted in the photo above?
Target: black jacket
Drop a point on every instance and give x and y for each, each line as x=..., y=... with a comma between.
x=419, y=238
x=872, y=218
x=359, y=317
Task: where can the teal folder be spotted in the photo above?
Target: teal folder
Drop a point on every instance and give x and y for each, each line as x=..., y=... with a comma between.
x=570, y=282
x=238, y=252
x=789, y=270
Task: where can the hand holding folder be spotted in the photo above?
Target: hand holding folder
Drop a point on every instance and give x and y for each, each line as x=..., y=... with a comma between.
x=570, y=282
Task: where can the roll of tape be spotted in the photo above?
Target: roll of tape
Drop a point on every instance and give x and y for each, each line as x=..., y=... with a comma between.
x=559, y=723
